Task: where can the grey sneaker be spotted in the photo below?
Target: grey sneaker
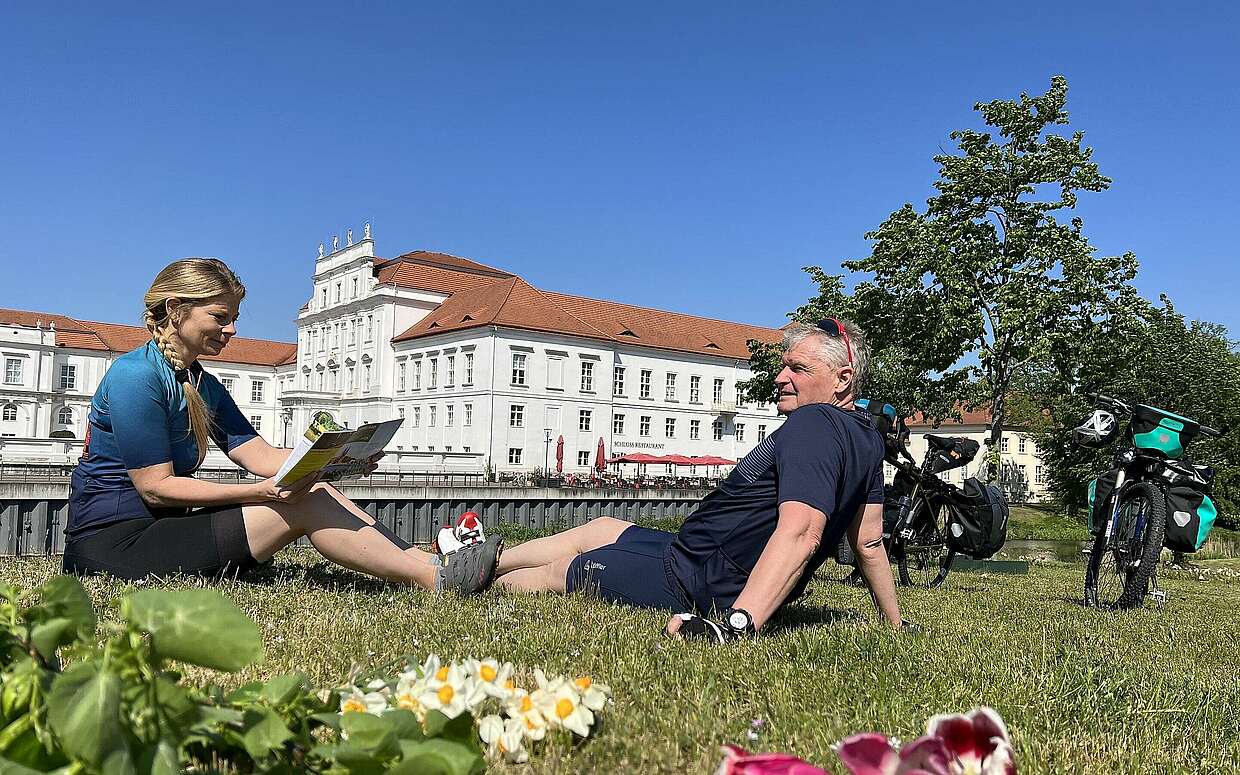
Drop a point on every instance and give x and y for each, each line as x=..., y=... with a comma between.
x=470, y=569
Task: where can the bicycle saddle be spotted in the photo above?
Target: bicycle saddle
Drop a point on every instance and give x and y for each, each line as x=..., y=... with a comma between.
x=941, y=442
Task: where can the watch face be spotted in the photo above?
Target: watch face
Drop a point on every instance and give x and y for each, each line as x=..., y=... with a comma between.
x=738, y=620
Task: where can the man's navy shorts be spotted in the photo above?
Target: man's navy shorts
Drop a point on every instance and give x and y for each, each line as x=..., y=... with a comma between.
x=633, y=570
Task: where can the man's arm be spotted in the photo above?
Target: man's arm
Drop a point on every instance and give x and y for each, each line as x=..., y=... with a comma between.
x=866, y=536
x=789, y=549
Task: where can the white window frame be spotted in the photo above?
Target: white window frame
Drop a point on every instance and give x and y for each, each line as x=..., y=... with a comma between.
x=516, y=415
x=469, y=414
x=585, y=420
x=617, y=425
x=695, y=389
x=519, y=363
x=60, y=415
x=514, y=456
x=695, y=429
x=469, y=369
x=68, y=376
x=670, y=394
x=643, y=388
x=258, y=391
x=587, y=376
x=450, y=375
x=669, y=428
x=617, y=381
x=13, y=372
x=643, y=426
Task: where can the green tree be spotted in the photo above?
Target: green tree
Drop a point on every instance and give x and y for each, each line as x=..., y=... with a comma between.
x=986, y=282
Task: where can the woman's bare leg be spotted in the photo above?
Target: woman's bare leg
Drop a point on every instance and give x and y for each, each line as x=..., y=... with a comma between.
x=341, y=532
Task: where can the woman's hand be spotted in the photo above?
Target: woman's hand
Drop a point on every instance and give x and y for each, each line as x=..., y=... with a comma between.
x=270, y=490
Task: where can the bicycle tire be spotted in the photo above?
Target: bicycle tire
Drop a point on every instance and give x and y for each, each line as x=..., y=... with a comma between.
x=919, y=562
x=1131, y=559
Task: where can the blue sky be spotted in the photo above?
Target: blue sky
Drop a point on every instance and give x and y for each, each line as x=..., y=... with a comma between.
x=688, y=156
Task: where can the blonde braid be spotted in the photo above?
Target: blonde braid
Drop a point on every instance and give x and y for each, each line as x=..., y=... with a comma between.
x=199, y=418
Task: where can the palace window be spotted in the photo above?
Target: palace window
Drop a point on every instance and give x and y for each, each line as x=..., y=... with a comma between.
x=9, y=413
x=671, y=386
x=68, y=376
x=617, y=425
x=469, y=415
x=587, y=376
x=617, y=381
x=417, y=417
x=644, y=389
x=227, y=382
x=257, y=389
x=669, y=427
x=449, y=416
x=450, y=378
x=583, y=458
x=584, y=419
x=518, y=368
x=469, y=368
x=514, y=456
x=740, y=431
x=12, y=371
x=516, y=416
x=401, y=368
x=257, y=421
x=761, y=433
x=64, y=416
x=695, y=429
x=432, y=373
x=1020, y=444
x=718, y=394
x=417, y=374
x=716, y=430
x=430, y=418
x=643, y=429
x=695, y=390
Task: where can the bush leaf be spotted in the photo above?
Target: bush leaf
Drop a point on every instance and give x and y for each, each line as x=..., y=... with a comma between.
x=437, y=756
x=198, y=626
x=267, y=732
x=84, y=708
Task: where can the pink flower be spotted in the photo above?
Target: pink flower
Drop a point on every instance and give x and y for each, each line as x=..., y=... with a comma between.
x=737, y=761
x=976, y=743
x=873, y=754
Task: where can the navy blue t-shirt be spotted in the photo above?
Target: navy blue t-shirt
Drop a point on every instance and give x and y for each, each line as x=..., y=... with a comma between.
x=824, y=456
x=138, y=418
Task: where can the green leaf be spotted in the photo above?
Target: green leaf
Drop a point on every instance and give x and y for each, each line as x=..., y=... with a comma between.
x=64, y=597
x=460, y=728
x=161, y=759
x=438, y=756
x=50, y=635
x=246, y=693
x=371, y=733
x=283, y=688
x=84, y=708
x=329, y=719
x=405, y=724
x=8, y=767
x=198, y=626
x=266, y=733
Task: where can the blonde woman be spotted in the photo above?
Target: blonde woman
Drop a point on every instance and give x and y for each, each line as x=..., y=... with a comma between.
x=135, y=508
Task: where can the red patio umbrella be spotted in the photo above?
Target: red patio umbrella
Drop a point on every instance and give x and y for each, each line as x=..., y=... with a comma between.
x=559, y=455
x=679, y=460
x=600, y=457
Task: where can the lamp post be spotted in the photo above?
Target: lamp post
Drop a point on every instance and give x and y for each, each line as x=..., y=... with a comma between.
x=546, y=451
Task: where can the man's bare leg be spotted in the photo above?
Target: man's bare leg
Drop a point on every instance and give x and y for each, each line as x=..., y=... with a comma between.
x=568, y=544
x=551, y=577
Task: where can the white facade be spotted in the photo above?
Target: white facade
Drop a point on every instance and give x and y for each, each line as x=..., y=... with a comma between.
x=457, y=390
x=45, y=394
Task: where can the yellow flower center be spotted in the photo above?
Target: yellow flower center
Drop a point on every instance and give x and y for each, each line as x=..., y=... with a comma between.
x=529, y=724
x=509, y=684
x=441, y=674
x=564, y=708
x=502, y=748
x=353, y=705
x=407, y=701
x=488, y=673
x=526, y=704
x=583, y=682
x=446, y=693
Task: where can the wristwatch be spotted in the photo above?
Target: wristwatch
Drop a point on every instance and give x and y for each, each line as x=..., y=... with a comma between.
x=739, y=621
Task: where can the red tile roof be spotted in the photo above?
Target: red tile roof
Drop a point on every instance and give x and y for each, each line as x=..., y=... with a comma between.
x=968, y=417
x=115, y=337
x=502, y=299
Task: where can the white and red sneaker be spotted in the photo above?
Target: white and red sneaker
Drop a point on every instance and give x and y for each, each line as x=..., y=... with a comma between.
x=466, y=532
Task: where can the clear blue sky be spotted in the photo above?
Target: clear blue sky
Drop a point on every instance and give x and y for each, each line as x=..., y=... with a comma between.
x=677, y=155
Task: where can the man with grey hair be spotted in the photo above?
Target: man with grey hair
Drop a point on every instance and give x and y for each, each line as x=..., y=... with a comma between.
x=754, y=543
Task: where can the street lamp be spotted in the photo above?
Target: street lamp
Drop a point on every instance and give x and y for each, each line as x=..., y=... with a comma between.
x=546, y=450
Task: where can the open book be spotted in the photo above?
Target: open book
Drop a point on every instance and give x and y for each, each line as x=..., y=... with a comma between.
x=335, y=451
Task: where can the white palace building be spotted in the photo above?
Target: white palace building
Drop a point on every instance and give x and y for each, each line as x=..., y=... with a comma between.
x=485, y=369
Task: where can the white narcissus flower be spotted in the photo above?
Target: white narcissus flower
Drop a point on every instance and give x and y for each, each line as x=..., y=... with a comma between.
x=593, y=694
x=451, y=692
x=521, y=706
x=503, y=738
x=548, y=684
x=379, y=685
x=563, y=706
x=408, y=694
x=495, y=678
x=354, y=700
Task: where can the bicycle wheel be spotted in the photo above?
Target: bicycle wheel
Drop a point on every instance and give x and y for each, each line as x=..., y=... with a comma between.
x=1119, y=572
x=920, y=557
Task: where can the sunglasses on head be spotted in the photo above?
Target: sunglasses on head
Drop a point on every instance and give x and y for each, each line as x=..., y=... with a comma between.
x=833, y=327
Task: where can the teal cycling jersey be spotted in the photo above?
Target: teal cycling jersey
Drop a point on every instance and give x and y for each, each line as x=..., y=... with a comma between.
x=138, y=418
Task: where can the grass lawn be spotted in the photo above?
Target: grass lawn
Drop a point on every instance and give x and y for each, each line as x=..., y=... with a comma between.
x=1044, y=523
x=1081, y=690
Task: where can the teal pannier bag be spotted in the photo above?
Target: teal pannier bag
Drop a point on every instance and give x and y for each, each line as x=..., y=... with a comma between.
x=1099, y=499
x=1161, y=433
x=1190, y=515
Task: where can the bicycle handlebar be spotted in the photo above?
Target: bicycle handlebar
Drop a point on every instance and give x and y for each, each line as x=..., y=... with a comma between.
x=1127, y=408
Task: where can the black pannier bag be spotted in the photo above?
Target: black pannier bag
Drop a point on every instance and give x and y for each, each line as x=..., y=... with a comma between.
x=1190, y=516
x=977, y=524
x=1100, y=500
x=960, y=453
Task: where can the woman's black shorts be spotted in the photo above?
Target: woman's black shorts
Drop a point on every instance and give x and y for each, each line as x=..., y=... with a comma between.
x=205, y=542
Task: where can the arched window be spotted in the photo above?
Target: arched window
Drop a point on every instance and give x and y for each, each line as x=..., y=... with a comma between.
x=64, y=416
x=9, y=413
